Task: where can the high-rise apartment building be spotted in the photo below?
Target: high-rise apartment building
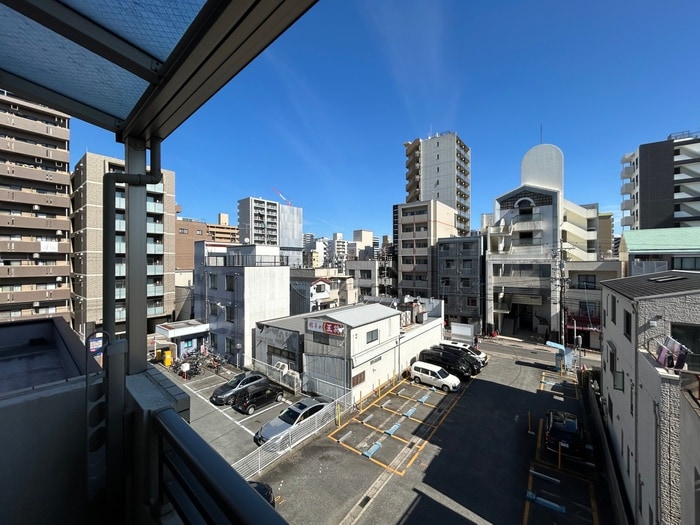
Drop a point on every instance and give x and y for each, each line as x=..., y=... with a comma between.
x=34, y=209
x=439, y=168
x=86, y=238
x=661, y=182
x=223, y=231
x=261, y=221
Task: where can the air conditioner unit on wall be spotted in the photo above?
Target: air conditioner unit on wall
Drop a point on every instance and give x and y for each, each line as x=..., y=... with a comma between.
x=35, y=207
x=35, y=304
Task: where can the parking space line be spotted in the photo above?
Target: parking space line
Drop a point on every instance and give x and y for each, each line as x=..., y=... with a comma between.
x=411, y=447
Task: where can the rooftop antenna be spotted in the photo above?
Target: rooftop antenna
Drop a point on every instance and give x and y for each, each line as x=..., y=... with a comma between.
x=540, y=133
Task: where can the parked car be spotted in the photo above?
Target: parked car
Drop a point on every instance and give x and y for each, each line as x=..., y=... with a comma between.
x=453, y=363
x=433, y=375
x=290, y=416
x=250, y=398
x=471, y=349
x=224, y=394
x=563, y=428
x=474, y=363
x=264, y=490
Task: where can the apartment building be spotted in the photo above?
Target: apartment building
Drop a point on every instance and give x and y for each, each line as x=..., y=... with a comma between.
x=658, y=250
x=661, y=183
x=315, y=289
x=261, y=221
x=34, y=210
x=459, y=264
x=235, y=287
x=534, y=239
x=337, y=252
x=86, y=239
x=439, y=168
x=417, y=228
x=222, y=231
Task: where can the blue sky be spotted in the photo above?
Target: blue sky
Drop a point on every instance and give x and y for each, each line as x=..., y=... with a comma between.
x=323, y=113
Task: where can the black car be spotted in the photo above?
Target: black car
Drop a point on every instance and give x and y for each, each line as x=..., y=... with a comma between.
x=224, y=394
x=474, y=363
x=256, y=396
x=452, y=363
x=563, y=433
x=264, y=490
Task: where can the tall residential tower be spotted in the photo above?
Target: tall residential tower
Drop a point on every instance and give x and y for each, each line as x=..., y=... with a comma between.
x=34, y=208
x=439, y=168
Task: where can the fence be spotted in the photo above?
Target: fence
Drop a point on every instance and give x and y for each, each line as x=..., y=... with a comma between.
x=279, y=374
x=277, y=447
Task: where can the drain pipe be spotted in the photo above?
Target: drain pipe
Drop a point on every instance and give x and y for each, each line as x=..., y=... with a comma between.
x=117, y=352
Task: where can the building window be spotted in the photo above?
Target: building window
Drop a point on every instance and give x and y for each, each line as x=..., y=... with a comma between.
x=449, y=264
x=230, y=314
x=199, y=232
x=372, y=335
x=613, y=309
x=628, y=325
x=619, y=380
x=358, y=379
x=444, y=247
x=466, y=264
x=586, y=282
x=183, y=230
x=212, y=341
x=212, y=281
x=465, y=282
x=445, y=281
x=230, y=346
x=321, y=338
x=213, y=309
x=686, y=263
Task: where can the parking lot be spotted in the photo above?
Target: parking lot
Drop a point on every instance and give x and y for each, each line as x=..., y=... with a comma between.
x=415, y=454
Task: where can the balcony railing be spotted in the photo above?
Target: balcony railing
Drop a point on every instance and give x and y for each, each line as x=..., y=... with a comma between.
x=199, y=483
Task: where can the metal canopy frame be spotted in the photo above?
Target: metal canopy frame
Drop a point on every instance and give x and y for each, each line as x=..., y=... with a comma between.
x=221, y=40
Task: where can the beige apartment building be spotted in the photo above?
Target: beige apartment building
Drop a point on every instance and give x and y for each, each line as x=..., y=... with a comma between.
x=86, y=238
x=417, y=227
x=34, y=208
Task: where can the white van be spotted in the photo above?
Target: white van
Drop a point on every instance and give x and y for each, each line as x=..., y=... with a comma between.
x=433, y=375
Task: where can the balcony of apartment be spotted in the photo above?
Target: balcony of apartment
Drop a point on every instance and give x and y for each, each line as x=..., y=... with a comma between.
x=31, y=247
x=409, y=268
x=37, y=200
x=522, y=279
x=627, y=205
x=627, y=158
x=120, y=292
x=627, y=221
x=35, y=296
x=155, y=290
x=152, y=269
x=40, y=128
x=502, y=228
x=627, y=172
x=154, y=248
x=35, y=223
x=38, y=151
x=60, y=178
x=525, y=246
x=155, y=207
x=531, y=222
x=413, y=183
x=627, y=188
x=155, y=227
x=156, y=188
x=31, y=270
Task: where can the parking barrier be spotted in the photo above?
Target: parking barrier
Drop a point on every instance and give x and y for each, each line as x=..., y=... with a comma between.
x=545, y=502
x=364, y=421
x=344, y=436
x=424, y=398
x=409, y=412
x=392, y=429
x=368, y=453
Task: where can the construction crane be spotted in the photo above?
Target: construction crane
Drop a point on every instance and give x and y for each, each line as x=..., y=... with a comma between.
x=285, y=199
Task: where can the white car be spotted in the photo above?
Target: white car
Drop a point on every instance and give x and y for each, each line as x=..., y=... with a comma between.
x=481, y=356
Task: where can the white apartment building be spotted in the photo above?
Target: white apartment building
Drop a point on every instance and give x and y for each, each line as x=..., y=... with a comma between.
x=650, y=323
x=235, y=287
x=439, y=168
x=533, y=239
x=337, y=252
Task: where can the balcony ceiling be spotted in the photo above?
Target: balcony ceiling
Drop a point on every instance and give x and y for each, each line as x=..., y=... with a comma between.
x=132, y=67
